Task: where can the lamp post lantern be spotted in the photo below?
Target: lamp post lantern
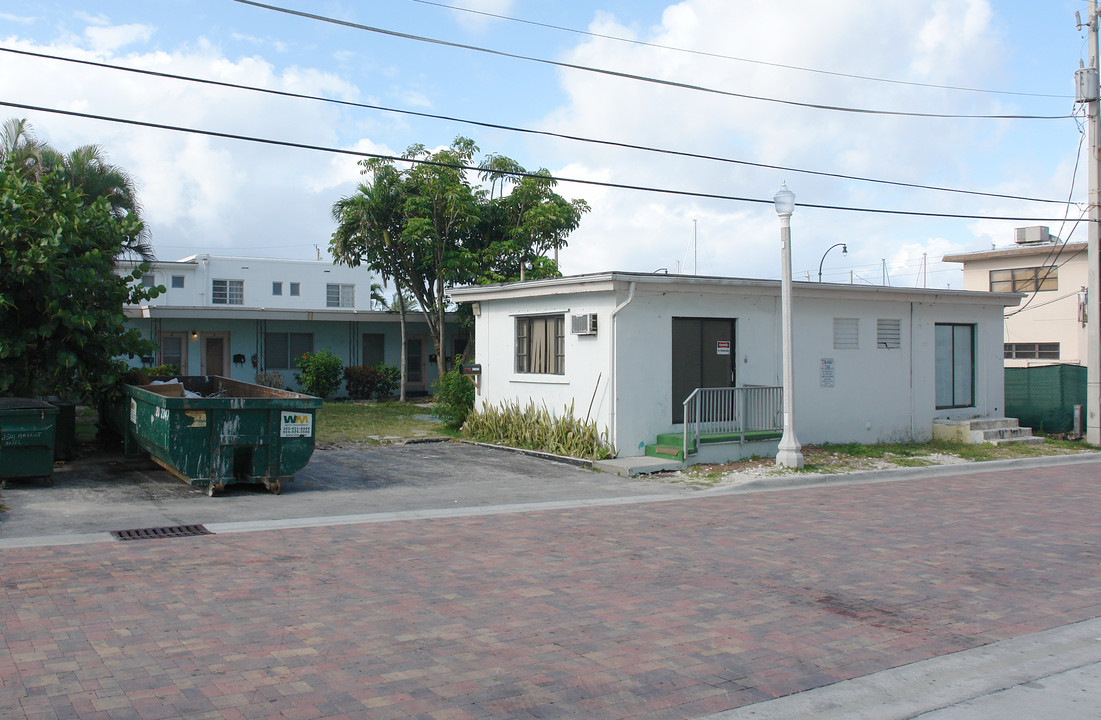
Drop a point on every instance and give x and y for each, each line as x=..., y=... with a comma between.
x=790, y=452
x=844, y=251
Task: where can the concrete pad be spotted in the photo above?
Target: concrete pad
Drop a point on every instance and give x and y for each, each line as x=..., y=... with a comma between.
x=970, y=679
x=635, y=466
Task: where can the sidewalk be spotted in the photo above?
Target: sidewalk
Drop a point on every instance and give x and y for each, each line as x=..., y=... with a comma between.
x=706, y=606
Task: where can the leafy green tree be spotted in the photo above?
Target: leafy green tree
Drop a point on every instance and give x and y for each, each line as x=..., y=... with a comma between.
x=62, y=327
x=518, y=229
x=88, y=171
x=430, y=228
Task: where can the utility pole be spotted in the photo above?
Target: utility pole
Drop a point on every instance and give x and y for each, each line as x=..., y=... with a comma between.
x=1087, y=93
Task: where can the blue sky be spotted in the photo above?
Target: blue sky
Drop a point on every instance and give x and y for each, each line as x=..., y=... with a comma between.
x=205, y=194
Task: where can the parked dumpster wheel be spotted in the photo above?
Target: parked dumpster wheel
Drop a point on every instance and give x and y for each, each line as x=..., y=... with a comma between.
x=275, y=486
x=211, y=489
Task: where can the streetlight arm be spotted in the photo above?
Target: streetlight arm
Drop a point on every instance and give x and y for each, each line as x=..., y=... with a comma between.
x=831, y=247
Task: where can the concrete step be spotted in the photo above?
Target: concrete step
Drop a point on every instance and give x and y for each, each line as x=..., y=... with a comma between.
x=992, y=423
x=1000, y=433
x=980, y=430
x=1029, y=440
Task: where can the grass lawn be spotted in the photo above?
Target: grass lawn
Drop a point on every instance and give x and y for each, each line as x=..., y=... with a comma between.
x=351, y=422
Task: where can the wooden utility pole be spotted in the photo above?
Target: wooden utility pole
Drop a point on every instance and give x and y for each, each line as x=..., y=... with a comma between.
x=1087, y=93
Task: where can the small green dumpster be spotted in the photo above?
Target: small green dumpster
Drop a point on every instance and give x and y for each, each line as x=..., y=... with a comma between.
x=27, y=433
x=212, y=431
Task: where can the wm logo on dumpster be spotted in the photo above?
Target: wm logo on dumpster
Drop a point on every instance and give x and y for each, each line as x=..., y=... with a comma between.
x=296, y=424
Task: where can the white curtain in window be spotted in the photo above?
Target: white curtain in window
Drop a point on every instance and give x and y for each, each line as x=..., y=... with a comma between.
x=539, y=346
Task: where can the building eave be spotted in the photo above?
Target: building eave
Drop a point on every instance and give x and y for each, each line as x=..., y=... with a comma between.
x=176, y=312
x=1043, y=249
x=615, y=281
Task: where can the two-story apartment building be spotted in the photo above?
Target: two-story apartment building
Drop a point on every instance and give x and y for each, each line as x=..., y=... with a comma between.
x=237, y=316
x=1049, y=326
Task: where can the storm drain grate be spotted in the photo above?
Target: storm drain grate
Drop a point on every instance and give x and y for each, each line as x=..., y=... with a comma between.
x=161, y=532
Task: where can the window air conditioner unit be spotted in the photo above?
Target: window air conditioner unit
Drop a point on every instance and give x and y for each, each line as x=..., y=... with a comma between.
x=583, y=324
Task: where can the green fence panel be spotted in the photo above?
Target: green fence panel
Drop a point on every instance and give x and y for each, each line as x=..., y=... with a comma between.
x=1043, y=398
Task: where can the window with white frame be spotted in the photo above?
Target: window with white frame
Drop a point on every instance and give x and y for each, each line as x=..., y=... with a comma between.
x=541, y=344
x=148, y=280
x=228, y=292
x=1032, y=351
x=177, y=282
x=296, y=289
x=340, y=296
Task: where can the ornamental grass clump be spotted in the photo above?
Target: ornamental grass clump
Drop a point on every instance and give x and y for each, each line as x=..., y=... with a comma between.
x=536, y=428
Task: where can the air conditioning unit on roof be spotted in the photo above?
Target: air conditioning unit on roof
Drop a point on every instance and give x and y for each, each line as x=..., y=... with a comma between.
x=1034, y=234
x=583, y=324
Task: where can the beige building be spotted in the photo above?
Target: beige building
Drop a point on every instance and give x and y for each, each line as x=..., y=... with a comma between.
x=1049, y=326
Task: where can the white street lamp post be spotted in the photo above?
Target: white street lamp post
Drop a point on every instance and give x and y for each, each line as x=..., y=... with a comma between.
x=790, y=452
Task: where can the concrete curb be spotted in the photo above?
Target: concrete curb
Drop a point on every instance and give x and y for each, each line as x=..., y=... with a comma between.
x=565, y=459
x=788, y=482
x=911, y=690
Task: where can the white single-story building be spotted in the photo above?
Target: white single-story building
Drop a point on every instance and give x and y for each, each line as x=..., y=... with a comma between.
x=630, y=351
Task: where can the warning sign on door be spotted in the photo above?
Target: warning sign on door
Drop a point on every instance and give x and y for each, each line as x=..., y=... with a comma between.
x=722, y=347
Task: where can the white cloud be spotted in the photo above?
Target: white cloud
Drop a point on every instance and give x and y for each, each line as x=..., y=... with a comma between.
x=112, y=37
x=21, y=19
x=955, y=42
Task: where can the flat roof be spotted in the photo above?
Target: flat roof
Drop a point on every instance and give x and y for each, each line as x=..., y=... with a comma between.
x=1016, y=251
x=612, y=281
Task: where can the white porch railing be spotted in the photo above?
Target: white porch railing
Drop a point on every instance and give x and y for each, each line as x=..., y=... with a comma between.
x=732, y=411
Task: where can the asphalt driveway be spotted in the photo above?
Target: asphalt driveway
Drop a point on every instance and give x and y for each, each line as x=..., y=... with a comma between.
x=105, y=491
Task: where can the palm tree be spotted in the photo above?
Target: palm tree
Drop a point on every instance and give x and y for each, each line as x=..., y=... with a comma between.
x=87, y=171
x=90, y=173
x=19, y=145
x=368, y=214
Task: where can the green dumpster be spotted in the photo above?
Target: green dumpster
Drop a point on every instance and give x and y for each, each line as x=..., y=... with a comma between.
x=212, y=431
x=27, y=433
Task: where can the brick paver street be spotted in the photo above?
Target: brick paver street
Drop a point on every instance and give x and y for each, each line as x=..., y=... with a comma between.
x=656, y=610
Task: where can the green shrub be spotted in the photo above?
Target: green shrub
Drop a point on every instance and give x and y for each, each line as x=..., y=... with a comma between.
x=166, y=370
x=371, y=382
x=535, y=428
x=454, y=397
x=320, y=372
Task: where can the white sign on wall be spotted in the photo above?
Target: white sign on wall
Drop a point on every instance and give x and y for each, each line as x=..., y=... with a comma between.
x=825, y=373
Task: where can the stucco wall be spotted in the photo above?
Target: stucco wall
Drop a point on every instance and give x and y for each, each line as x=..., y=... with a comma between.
x=876, y=394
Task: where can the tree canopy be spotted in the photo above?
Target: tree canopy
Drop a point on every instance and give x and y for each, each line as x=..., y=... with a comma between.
x=430, y=227
x=87, y=170
x=62, y=327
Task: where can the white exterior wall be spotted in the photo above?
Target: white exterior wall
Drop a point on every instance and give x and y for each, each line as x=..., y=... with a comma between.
x=587, y=357
x=1047, y=317
x=258, y=274
x=877, y=394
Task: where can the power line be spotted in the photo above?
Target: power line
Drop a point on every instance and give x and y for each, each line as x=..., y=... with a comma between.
x=720, y=56
x=471, y=168
x=497, y=126
x=639, y=78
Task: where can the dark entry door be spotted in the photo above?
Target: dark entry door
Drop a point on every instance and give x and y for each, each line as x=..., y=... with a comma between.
x=703, y=356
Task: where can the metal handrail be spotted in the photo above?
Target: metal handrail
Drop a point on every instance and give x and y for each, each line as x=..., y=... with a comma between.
x=731, y=410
